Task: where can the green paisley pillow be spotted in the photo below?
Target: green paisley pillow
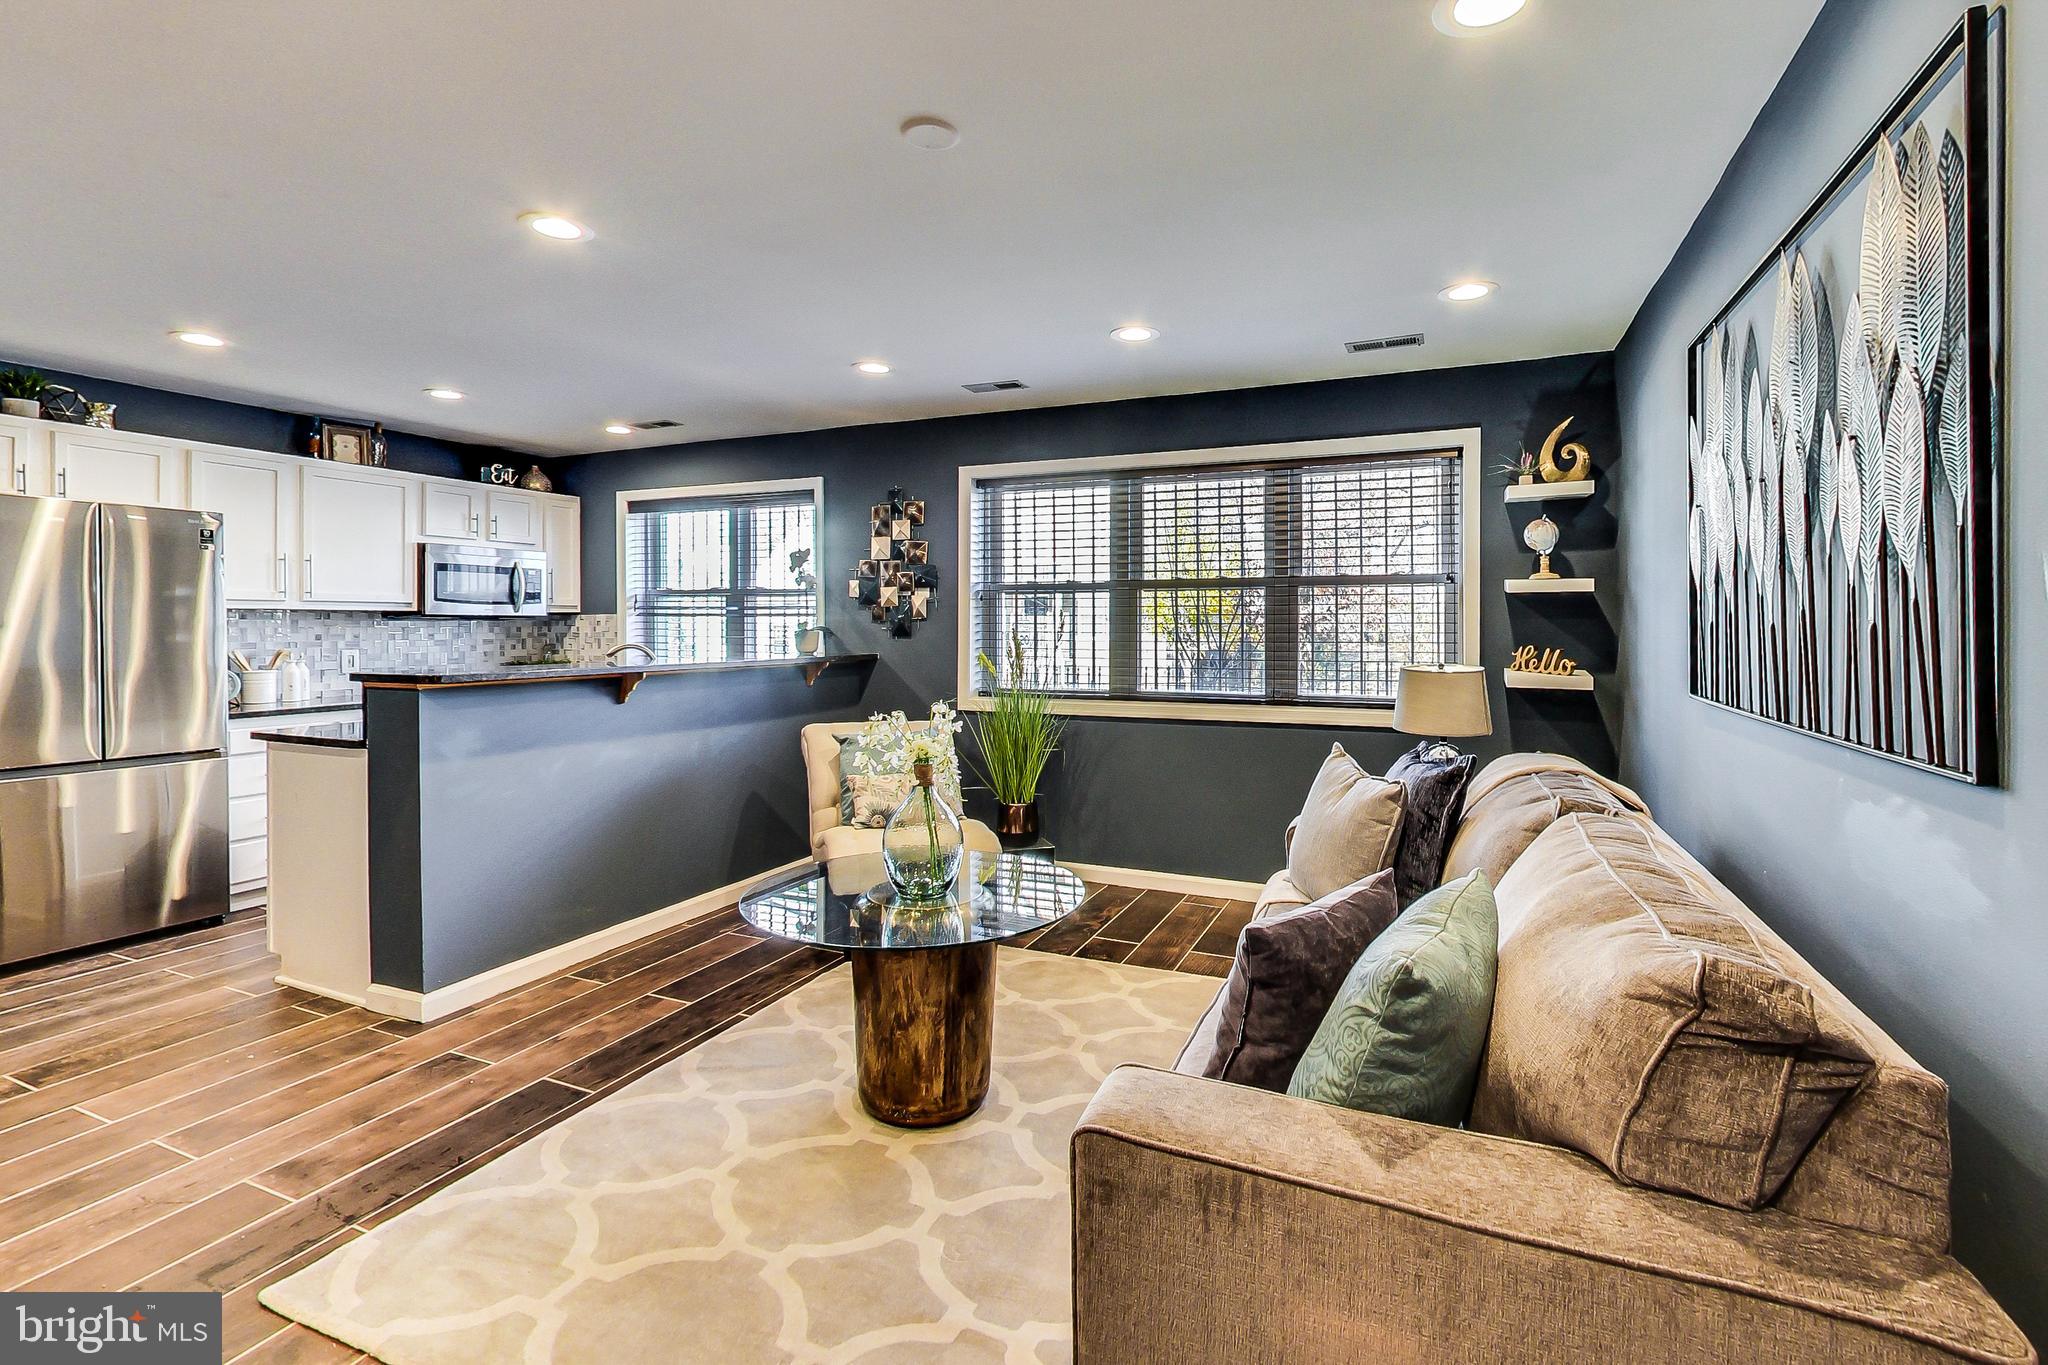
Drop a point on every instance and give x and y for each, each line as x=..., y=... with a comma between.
x=1405, y=1033
x=870, y=792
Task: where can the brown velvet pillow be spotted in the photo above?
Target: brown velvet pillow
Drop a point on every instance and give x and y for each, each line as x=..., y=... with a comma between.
x=1434, y=798
x=1287, y=972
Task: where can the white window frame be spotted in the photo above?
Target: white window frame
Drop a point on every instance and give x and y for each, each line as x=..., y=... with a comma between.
x=1464, y=440
x=627, y=496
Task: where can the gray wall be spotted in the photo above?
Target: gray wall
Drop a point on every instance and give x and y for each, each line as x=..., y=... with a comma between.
x=1922, y=898
x=1207, y=799
x=506, y=820
x=160, y=412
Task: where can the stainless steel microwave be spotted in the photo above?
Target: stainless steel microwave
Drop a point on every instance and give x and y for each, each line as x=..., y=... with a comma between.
x=482, y=580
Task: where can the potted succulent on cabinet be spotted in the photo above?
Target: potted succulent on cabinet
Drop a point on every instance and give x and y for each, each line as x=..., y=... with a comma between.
x=1017, y=736
x=21, y=393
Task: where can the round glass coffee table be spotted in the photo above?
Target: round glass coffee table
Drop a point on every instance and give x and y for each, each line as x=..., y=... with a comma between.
x=924, y=976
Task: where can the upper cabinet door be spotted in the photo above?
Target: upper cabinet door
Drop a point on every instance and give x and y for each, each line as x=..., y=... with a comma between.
x=563, y=520
x=512, y=518
x=257, y=505
x=93, y=465
x=451, y=511
x=355, y=537
x=24, y=459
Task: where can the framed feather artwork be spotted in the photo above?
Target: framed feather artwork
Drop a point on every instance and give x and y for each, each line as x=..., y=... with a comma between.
x=1844, y=455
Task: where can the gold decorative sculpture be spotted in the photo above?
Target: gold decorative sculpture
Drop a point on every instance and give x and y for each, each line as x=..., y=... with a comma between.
x=1578, y=461
x=1554, y=662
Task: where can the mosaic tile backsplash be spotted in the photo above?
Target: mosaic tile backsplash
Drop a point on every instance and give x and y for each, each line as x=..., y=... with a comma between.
x=398, y=643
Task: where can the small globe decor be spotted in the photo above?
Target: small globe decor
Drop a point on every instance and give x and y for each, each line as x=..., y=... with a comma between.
x=1541, y=536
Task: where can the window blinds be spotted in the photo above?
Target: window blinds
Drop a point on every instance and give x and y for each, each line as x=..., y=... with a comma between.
x=710, y=579
x=1303, y=582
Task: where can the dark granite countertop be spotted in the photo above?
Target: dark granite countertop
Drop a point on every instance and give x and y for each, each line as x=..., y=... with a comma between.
x=346, y=734
x=296, y=708
x=625, y=668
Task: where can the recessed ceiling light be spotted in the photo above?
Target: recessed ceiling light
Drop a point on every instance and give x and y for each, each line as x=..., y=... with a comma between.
x=446, y=395
x=871, y=366
x=191, y=338
x=618, y=429
x=557, y=228
x=1135, y=332
x=1465, y=291
x=930, y=134
x=1466, y=16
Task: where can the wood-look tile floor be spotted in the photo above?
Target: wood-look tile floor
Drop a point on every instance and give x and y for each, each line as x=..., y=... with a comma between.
x=171, y=1118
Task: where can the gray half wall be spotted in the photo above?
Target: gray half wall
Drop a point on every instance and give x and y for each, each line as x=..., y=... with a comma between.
x=1920, y=897
x=1205, y=799
x=508, y=820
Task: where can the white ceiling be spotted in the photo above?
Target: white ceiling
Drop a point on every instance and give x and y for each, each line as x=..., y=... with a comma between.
x=334, y=188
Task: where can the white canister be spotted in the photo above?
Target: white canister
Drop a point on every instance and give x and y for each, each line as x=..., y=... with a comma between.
x=259, y=688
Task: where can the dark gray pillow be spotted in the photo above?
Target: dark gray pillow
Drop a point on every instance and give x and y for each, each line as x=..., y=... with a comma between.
x=1433, y=798
x=1287, y=972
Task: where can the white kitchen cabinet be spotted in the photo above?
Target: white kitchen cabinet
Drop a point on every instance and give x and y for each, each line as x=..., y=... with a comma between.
x=451, y=510
x=249, y=802
x=356, y=543
x=562, y=522
x=512, y=518
x=96, y=465
x=25, y=458
x=257, y=499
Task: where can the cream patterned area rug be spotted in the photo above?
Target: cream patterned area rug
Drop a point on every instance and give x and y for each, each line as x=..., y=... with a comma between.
x=739, y=1205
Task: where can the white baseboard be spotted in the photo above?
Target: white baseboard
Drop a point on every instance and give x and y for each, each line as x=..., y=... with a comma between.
x=425, y=1007
x=1220, y=887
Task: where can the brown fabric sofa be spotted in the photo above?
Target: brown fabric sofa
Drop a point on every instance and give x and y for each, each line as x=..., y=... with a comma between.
x=1218, y=1222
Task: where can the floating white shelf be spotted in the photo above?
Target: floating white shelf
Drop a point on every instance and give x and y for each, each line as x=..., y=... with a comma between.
x=1522, y=585
x=1581, y=681
x=1542, y=492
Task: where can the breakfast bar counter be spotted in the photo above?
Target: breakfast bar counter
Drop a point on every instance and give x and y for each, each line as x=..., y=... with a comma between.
x=479, y=830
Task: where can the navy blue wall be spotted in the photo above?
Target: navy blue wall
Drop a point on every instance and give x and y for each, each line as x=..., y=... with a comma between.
x=1205, y=798
x=1920, y=897
x=159, y=412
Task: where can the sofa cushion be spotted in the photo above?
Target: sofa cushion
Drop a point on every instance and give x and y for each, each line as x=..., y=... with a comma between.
x=1287, y=970
x=1640, y=1019
x=1278, y=894
x=1433, y=779
x=1517, y=797
x=1347, y=827
x=1404, y=1034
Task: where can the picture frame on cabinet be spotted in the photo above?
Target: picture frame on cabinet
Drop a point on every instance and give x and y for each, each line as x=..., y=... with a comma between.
x=346, y=443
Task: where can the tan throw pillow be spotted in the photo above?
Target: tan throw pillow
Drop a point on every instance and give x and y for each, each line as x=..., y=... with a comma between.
x=1347, y=828
x=1639, y=1018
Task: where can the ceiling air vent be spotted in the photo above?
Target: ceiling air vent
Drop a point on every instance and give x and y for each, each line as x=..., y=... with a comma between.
x=1384, y=343
x=996, y=386
x=658, y=424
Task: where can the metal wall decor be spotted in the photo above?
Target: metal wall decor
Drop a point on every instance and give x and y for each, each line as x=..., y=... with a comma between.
x=1844, y=443
x=896, y=580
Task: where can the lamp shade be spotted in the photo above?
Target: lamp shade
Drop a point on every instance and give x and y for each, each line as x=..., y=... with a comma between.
x=1449, y=699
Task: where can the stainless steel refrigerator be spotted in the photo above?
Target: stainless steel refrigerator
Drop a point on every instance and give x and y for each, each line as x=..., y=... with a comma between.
x=113, y=721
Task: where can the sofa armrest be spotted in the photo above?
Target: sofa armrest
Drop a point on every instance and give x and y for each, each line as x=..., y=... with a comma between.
x=1216, y=1222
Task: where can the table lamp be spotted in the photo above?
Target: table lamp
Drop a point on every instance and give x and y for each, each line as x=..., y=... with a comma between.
x=1442, y=700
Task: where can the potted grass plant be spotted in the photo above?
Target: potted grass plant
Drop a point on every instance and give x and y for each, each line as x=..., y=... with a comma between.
x=21, y=393
x=1017, y=736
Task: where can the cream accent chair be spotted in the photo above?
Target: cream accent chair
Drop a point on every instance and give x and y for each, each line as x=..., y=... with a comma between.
x=829, y=838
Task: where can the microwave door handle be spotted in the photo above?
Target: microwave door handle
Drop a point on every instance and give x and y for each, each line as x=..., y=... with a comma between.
x=517, y=591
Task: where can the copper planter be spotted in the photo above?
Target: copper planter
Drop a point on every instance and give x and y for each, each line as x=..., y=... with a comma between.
x=1017, y=821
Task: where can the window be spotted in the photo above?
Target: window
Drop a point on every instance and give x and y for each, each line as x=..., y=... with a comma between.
x=713, y=575
x=1246, y=583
